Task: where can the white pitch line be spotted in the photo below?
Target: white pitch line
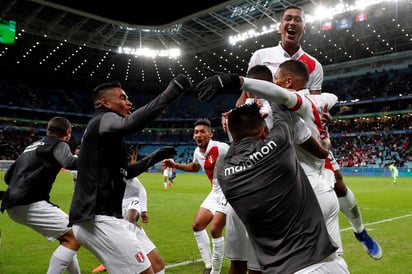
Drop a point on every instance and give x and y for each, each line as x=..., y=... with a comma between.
x=183, y=263
x=343, y=229
x=382, y=221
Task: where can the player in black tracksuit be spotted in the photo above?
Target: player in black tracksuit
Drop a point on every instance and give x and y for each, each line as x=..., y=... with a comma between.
x=96, y=208
x=262, y=179
x=27, y=199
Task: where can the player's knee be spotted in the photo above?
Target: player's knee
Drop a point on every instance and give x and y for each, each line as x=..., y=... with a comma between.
x=156, y=260
x=197, y=227
x=68, y=240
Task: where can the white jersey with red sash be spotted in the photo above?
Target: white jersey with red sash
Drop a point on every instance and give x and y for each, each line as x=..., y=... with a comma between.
x=208, y=159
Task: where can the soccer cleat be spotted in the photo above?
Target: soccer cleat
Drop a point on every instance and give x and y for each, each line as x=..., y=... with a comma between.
x=207, y=271
x=370, y=245
x=100, y=268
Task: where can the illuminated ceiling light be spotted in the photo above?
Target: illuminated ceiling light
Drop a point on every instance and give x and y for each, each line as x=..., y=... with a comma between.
x=147, y=52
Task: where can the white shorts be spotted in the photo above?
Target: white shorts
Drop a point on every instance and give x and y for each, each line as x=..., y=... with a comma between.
x=43, y=217
x=332, y=264
x=142, y=237
x=114, y=243
x=238, y=246
x=329, y=205
x=166, y=173
x=131, y=203
x=215, y=201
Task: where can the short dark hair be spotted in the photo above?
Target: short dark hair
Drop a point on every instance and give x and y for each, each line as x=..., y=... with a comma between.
x=58, y=126
x=293, y=7
x=106, y=86
x=260, y=72
x=100, y=89
x=296, y=67
x=245, y=120
x=204, y=122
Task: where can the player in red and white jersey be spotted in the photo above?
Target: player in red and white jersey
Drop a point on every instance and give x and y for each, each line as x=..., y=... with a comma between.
x=237, y=250
x=213, y=209
x=291, y=28
x=167, y=174
x=293, y=74
x=301, y=104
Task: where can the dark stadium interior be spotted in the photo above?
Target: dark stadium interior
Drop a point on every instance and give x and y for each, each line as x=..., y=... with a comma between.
x=161, y=13
x=65, y=48
x=64, y=43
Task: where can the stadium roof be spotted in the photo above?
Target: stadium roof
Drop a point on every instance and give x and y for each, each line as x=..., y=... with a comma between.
x=67, y=40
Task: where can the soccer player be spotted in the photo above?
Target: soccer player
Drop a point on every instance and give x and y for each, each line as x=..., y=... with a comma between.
x=313, y=164
x=27, y=199
x=292, y=28
x=394, y=172
x=213, y=209
x=167, y=176
x=266, y=186
x=96, y=208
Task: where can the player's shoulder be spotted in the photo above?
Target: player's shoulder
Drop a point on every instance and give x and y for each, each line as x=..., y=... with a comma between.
x=304, y=54
x=219, y=144
x=267, y=50
x=311, y=62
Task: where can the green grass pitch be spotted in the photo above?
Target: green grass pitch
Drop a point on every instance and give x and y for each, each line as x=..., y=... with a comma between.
x=386, y=211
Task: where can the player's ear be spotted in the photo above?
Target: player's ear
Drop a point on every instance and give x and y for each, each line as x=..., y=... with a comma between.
x=290, y=81
x=264, y=132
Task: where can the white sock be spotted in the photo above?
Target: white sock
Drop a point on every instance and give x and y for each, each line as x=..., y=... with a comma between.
x=61, y=259
x=161, y=271
x=217, y=256
x=165, y=185
x=349, y=208
x=74, y=266
x=203, y=243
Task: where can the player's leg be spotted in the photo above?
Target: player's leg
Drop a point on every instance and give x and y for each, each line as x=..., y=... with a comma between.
x=51, y=222
x=165, y=182
x=395, y=175
x=252, y=261
x=149, y=248
x=114, y=244
x=67, y=249
x=350, y=209
x=203, y=217
x=236, y=239
x=330, y=209
x=218, y=242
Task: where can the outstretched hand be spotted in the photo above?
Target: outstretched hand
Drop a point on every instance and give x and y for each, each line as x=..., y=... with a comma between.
x=326, y=117
x=165, y=152
x=215, y=83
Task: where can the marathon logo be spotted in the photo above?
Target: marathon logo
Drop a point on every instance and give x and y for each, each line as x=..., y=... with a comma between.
x=252, y=159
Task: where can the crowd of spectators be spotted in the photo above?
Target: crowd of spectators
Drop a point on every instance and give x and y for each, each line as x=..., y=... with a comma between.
x=379, y=84
x=364, y=144
x=368, y=140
